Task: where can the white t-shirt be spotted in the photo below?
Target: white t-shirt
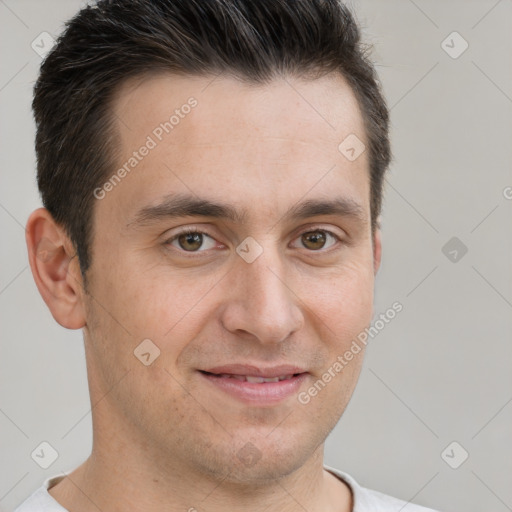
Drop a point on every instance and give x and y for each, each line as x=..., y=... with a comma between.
x=365, y=500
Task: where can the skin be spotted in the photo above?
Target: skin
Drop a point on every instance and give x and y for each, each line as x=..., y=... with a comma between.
x=165, y=438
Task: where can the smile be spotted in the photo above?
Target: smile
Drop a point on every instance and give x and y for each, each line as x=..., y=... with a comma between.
x=253, y=378
x=255, y=386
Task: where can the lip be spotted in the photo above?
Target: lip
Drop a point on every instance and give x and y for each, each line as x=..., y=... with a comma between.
x=256, y=394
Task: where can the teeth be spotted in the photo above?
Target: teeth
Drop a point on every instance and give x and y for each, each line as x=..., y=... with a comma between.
x=255, y=379
x=229, y=376
x=250, y=378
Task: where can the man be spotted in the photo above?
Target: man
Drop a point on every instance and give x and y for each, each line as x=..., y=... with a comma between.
x=212, y=175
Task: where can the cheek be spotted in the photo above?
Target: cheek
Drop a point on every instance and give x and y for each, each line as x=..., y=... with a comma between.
x=344, y=302
x=163, y=304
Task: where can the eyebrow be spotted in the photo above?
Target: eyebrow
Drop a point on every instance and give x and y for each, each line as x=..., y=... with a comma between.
x=184, y=205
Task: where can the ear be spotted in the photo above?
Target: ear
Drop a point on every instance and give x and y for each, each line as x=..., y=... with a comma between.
x=377, y=248
x=55, y=268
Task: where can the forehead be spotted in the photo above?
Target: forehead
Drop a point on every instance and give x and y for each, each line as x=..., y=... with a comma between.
x=256, y=145
x=324, y=106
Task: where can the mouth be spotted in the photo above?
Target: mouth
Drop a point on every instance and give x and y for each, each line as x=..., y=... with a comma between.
x=255, y=385
x=255, y=379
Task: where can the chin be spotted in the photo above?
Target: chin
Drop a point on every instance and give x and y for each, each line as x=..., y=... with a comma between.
x=260, y=461
x=268, y=469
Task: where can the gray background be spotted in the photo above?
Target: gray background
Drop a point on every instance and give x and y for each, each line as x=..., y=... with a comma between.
x=439, y=372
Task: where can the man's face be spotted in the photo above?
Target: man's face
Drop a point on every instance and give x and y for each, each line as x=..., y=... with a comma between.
x=219, y=305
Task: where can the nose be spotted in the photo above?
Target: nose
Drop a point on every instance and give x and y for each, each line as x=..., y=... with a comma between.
x=261, y=302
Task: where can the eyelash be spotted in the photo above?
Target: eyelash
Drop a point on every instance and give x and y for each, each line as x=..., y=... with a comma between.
x=189, y=231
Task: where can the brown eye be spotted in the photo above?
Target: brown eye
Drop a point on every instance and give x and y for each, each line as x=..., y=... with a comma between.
x=192, y=241
x=318, y=239
x=314, y=240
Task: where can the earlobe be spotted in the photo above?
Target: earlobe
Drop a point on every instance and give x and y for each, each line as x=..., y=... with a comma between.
x=55, y=269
